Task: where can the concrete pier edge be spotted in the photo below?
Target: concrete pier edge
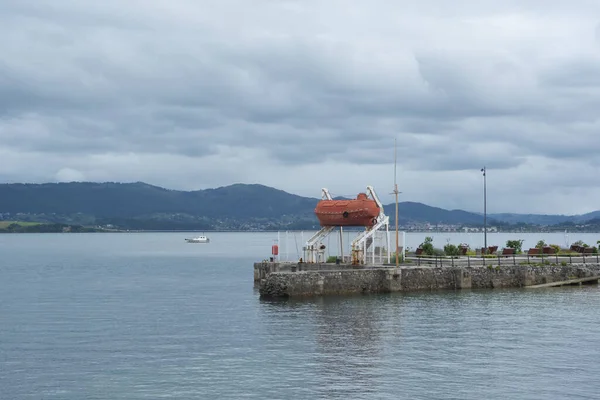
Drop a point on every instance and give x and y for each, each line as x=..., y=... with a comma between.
x=292, y=280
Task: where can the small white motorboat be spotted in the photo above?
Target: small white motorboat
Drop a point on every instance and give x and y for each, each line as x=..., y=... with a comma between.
x=199, y=239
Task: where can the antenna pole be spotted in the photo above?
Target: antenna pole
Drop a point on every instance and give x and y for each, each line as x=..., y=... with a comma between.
x=484, y=211
x=396, y=193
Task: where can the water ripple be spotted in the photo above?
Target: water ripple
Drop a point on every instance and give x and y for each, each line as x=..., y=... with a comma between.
x=133, y=325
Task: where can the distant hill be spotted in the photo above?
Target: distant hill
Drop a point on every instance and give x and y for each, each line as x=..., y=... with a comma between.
x=136, y=199
x=142, y=206
x=536, y=219
x=411, y=212
x=594, y=215
x=544, y=219
x=239, y=206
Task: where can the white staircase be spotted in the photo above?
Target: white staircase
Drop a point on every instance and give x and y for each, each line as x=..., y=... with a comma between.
x=362, y=243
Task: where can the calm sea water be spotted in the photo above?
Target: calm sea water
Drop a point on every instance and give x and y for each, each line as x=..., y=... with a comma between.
x=148, y=316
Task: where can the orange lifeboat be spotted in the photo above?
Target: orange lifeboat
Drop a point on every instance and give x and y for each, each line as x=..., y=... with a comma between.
x=359, y=212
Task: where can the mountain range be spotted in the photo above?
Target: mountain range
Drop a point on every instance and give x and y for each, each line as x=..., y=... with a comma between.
x=239, y=206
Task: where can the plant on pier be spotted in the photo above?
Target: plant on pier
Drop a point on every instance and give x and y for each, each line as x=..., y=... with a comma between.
x=451, y=250
x=580, y=243
x=515, y=244
x=427, y=246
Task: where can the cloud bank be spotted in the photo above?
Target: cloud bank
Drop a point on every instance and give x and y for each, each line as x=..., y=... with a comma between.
x=301, y=95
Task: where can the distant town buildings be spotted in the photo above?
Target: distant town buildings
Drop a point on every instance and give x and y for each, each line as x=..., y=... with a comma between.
x=420, y=227
x=489, y=229
x=180, y=221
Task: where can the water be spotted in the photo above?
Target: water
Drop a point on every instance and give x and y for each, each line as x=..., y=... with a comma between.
x=148, y=316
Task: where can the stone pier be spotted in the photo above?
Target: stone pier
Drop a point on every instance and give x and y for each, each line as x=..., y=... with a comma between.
x=263, y=269
x=326, y=279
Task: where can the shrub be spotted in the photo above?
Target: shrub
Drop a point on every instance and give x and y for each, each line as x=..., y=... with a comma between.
x=427, y=246
x=451, y=250
x=393, y=257
x=331, y=259
x=582, y=244
x=438, y=252
x=515, y=244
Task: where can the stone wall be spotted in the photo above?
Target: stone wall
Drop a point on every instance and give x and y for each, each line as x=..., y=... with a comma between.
x=263, y=269
x=489, y=277
x=384, y=280
x=311, y=283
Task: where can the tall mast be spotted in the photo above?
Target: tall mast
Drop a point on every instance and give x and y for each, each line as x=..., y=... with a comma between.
x=396, y=193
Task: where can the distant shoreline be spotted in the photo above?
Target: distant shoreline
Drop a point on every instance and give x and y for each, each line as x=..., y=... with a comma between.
x=433, y=232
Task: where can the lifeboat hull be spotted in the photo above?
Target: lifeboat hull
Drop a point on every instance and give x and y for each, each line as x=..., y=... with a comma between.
x=359, y=212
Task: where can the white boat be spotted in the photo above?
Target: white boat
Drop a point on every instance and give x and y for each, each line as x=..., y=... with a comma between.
x=199, y=239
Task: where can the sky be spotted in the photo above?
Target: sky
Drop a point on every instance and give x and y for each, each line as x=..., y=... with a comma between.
x=305, y=94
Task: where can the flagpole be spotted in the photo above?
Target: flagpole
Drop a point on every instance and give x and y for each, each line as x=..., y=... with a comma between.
x=396, y=193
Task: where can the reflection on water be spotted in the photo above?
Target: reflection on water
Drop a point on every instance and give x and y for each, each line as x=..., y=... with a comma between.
x=348, y=346
x=445, y=344
x=345, y=335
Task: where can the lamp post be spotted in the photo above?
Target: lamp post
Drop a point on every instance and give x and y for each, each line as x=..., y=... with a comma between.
x=484, y=212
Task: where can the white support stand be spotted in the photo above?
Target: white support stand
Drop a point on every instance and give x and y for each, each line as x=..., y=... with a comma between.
x=403, y=255
x=366, y=240
x=387, y=243
x=342, y=244
x=313, y=244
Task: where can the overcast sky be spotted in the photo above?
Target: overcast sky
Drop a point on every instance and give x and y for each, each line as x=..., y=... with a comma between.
x=299, y=95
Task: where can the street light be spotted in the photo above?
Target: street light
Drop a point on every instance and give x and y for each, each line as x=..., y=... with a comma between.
x=484, y=213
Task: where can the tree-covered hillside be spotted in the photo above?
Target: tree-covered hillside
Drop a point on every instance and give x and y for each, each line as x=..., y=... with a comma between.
x=240, y=206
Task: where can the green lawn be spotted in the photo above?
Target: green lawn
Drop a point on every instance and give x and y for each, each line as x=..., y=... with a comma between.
x=5, y=224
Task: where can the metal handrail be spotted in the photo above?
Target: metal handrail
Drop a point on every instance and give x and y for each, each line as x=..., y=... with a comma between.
x=499, y=259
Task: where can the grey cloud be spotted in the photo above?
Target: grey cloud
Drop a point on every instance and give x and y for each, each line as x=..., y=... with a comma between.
x=577, y=74
x=285, y=85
